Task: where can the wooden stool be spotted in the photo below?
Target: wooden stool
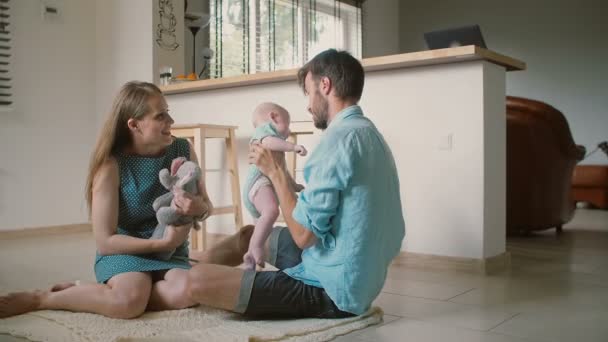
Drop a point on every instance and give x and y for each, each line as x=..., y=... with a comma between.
x=197, y=134
x=290, y=157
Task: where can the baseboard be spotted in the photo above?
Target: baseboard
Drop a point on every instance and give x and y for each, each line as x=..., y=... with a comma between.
x=490, y=265
x=50, y=230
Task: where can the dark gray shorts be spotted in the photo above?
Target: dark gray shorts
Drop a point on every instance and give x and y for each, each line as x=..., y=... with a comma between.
x=274, y=294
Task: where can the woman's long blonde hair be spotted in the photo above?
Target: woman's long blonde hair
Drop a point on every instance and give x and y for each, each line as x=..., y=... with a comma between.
x=130, y=103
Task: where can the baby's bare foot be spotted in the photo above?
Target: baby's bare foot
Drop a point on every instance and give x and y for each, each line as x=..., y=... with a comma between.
x=249, y=262
x=257, y=255
x=18, y=303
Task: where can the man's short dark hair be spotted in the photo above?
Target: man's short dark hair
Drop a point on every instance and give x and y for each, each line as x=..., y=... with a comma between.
x=344, y=71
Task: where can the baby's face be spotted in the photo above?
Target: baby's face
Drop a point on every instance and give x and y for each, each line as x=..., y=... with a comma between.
x=281, y=123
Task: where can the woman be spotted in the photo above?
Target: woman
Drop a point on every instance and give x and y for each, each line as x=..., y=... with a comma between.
x=134, y=145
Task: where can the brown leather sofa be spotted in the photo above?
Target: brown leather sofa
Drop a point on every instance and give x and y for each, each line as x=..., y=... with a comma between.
x=590, y=184
x=541, y=156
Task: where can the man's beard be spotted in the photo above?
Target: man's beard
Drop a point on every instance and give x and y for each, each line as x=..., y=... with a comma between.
x=321, y=113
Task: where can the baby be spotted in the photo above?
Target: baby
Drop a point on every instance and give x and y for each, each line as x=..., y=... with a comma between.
x=271, y=123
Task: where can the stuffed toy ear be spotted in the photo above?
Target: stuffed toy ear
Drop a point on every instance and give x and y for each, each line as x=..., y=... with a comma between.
x=175, y=164
x=180, y=184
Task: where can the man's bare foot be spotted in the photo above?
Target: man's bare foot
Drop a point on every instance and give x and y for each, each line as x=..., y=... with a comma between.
x=62, y=286
x=18, y=303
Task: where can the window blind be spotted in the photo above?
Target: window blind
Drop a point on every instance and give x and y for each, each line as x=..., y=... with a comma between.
x=6, y=94
x=251, y=36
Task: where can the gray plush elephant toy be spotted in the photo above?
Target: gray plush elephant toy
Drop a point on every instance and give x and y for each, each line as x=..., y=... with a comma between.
x=184, y=175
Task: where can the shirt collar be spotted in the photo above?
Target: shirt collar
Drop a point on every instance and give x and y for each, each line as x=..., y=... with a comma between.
x=345, y=113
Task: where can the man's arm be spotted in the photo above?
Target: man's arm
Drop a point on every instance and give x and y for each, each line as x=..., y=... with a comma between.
x=303, y=237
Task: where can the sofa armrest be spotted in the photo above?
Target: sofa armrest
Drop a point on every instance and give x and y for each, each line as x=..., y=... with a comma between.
x=579, y=152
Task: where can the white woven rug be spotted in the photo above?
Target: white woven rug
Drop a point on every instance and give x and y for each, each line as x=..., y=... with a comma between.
x=197, y=324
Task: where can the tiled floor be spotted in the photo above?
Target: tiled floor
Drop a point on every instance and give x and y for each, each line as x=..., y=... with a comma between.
x=556, y=290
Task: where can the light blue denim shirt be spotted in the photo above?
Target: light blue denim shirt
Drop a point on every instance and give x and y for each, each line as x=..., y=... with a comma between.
x=352, y=204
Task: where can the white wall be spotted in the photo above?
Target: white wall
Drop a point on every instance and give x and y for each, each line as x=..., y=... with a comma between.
x=380, y=28
x=453, y=199
x=67, y=71
x=45, y=142
x=124, y=48
x=563, y=43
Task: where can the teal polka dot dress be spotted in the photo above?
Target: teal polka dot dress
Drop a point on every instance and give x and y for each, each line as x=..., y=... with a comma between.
x=139, y=187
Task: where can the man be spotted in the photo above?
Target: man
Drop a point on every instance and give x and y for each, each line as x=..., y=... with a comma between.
x=343, y=230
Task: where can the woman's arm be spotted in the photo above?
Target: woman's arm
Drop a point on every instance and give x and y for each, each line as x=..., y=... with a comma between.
x=104, y=217
x=194, y=205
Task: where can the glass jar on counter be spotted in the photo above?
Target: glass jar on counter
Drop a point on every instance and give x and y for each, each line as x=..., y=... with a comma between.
x=166, y=72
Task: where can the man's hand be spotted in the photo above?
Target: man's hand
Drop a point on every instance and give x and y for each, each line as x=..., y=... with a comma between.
x=299, y=149
x=269, y=163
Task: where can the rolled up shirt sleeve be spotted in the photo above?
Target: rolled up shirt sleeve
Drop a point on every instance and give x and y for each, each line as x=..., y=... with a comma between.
x=326, y=179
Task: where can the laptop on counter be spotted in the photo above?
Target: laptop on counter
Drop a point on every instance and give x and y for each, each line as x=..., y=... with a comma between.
x=453, y=37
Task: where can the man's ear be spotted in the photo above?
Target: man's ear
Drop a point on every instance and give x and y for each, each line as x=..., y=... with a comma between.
x=325, y=85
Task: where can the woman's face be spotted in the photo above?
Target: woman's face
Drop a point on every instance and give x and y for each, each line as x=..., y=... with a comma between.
x=155, y=126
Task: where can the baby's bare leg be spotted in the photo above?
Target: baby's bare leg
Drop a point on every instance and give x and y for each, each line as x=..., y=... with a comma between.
x=266, y=204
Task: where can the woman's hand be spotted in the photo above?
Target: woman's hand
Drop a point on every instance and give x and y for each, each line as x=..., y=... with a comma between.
x=190, y=205
x=175, y=236
x=267, y=161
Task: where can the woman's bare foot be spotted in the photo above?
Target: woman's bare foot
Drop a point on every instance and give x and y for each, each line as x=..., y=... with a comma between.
x=18, y=303
x=227, y=252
